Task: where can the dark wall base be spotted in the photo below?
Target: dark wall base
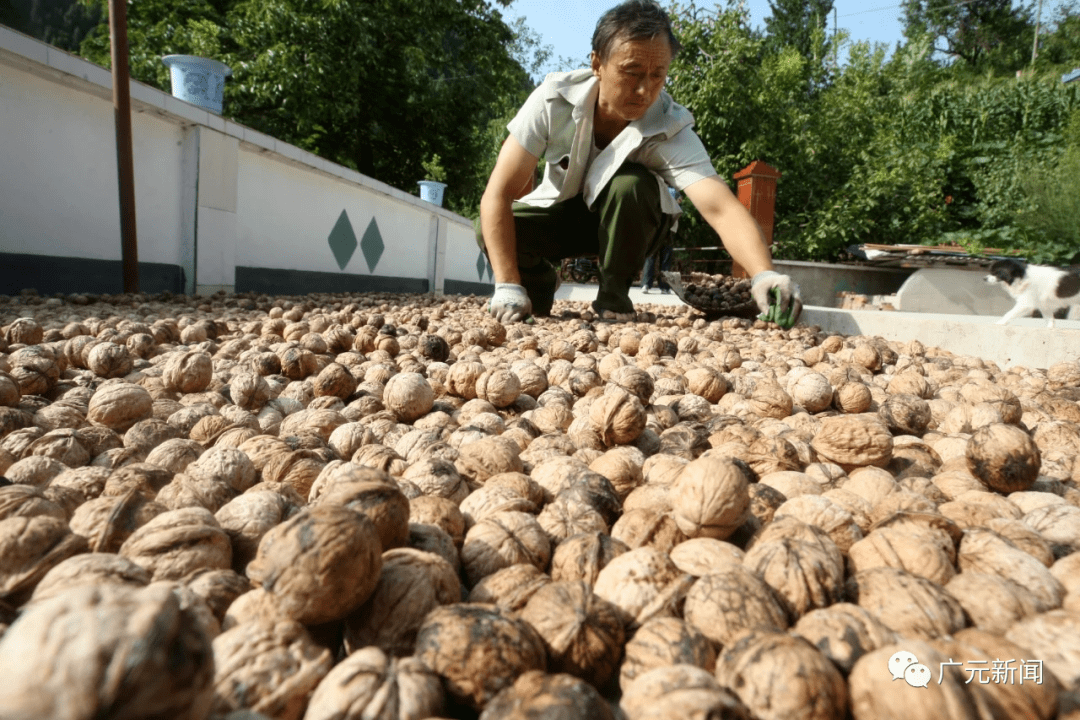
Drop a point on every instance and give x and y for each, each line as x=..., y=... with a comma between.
x=463, y=287
x=49, y=274
x=274, y=281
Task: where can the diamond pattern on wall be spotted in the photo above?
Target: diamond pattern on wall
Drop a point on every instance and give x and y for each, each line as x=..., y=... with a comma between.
x=481, y=265
x=372, y=245
x=342, y=240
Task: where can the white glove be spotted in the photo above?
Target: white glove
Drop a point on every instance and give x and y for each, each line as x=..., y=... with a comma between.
x=761, y=289
x=510, y=303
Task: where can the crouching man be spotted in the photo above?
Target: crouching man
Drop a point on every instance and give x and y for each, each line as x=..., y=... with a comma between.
x=614, y=142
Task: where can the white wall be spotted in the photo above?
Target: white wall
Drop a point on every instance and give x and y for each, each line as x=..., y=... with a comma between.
x=210, y=194
x=58, y=183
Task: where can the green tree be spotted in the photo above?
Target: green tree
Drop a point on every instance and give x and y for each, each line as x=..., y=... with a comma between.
x=800, y=24
x=981, y=34
x=377, y=86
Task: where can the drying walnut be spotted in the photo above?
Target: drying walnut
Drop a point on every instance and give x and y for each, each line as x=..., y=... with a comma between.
x=119, y=406
x=109, y=360
x=617, y=416
x=1003, y=457
x=919, y=549
x=880, y=690
x=502, y=540
x=381, y=502
x=490, y=456
x=710, y=498
x=319, y=565
x=905, y=414
x=81, y=635
x=477, y=650
x=30, y=547
x=368, y=683
x=701, y=556
x=642, y=583
x=909, y=605
x=89, y=569
x=820, y=511
x=248, y=517
x=500, y=387
x=992, y=602
x=27, y=501
x=813, y=689
x=812, y=391
x=188, y=372
x=411, y=584
x=583, y=556
x=679, y=690
x=661, y=642
x=843, y=633
x=267, y=666
x=987, y=552
x=175, y=543
x=535, y=693
x=803, y=565
x=853, y=441
x=509, y=588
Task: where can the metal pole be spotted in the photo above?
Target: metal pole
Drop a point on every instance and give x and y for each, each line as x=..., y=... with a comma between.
x=836, y=45
x=121, y=81
x=1035, y=44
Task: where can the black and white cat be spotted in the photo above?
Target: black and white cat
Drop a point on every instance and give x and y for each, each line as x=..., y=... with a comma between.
x=1036, y=287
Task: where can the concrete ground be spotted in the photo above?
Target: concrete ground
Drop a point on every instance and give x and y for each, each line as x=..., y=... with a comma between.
x=587, y=293
x=1025, y=341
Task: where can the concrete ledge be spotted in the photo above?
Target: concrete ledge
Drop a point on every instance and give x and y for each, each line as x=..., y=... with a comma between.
x=1027, y=341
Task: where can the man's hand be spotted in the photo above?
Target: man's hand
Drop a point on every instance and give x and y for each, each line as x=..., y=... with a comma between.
x=764, y=288
x=510, y=303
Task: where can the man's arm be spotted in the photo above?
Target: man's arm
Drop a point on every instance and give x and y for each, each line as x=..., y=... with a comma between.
x=742, y=237
x=732, y=222
x=514, y=170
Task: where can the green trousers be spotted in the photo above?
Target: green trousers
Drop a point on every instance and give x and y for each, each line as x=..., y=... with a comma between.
x=625, y=226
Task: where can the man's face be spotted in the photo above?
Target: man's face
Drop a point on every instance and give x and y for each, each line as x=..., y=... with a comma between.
x=632, y=77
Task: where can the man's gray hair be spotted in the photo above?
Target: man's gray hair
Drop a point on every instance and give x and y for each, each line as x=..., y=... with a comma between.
x=632, y=20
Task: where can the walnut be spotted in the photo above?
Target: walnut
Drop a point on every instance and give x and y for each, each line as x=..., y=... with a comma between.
x=802, y=564
x=680, y=690
x=535, y=692
x=907, y=604
x=661, y=642
x=876, y=692
x=370, y=683
x=109, y=360
x=500, y=387
x=119, y=406
x=501, y=540
x=80, y=637
x=268, y=666
x=642, y=583
x=509, y=588
x=1003, y=457
x=812, y=391
x=188, y=372
x=905, y=414
x=843, y=633
x=617, y=416
x=477, y=650
x=319, y=565
x=986, y=552
x=750, y=666
x=31, y=547
x=411, y=584
x=582, y=633
x=710, y=498
x=853, y=441
x=489, y=456
x=381, y=502
x=175, y=543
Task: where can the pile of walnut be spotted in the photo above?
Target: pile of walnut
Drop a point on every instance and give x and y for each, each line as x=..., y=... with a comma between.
x=394, y=507
x=716, y=292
